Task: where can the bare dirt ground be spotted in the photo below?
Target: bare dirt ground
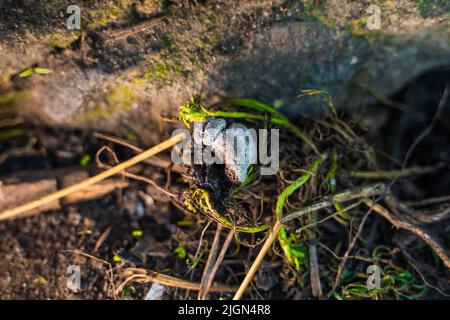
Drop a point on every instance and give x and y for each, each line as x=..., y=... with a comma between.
x=126, y=75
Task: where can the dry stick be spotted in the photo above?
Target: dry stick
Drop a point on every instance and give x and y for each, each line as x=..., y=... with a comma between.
x=420, y=217
x=406, y=225
x=424, y=134
x=155, y=161
x=207, y=272
x=389, y=174
x=426, y=282
x=427, y=131
x=10, y=213
x=351, y=206
x=267, y=245
x=126, y=173
x=425, y=202
x=102, y=238
x=316, y=286
x=148, y=181
x=347, y=195
x=219, y=260
x=144, y=276
x=349, y=249
x=117, y=141
x=143, y=179
x=117, y=34
x=200, y=242
x=413, y=262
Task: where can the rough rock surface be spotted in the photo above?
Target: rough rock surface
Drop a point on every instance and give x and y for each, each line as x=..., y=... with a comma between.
x=134, y=61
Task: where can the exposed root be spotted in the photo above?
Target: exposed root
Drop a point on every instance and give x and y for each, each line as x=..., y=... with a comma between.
x=401, y=223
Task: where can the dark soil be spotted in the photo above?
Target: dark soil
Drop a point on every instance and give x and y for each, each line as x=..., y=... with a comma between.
x=35, y=251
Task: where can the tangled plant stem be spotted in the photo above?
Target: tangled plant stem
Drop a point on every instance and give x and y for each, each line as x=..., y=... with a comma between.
x=290, y=250
x=201, y=199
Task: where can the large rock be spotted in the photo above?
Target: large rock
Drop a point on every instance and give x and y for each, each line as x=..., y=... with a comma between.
x=135, y=63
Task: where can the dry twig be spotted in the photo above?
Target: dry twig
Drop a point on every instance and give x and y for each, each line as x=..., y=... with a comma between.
x=347, y=195
x=145, y=276
x=219, y=260
x=262, y=253
x=349, y=249
x=406, y=225
x=208, y=271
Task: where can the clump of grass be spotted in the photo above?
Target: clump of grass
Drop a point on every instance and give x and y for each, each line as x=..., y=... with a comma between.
x=396, y=282
x=199, y=200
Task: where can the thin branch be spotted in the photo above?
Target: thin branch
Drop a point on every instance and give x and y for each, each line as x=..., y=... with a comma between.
x=316, y=286
x=262, y=253
x=426, y=202
x=400, y=223
x=351, y=206
x=427, y=131
x=127, y=174
x=390, y=174
x=347, y=195
x=207, y=272
x=145, y=276
x=349, y=249
x=219, y=260
x=156, y=161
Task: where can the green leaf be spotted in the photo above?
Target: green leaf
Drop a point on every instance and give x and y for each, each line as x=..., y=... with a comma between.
x=30, y=71
x=26, y=73
x=255, y=105
x=42, y=70
x=185, y=223
x=85, y=160
x=297, y=184
x=137, y=233
x=325, y=95
x=298, y=251
x=193, y=111
x=181, y=252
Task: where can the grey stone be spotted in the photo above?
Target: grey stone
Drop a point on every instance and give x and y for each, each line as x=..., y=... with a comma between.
x=268, y=50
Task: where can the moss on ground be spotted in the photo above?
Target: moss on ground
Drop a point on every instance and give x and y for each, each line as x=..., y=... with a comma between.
x=433, y=8
x=115, y=10
x=12, y=99
x=117, y=99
